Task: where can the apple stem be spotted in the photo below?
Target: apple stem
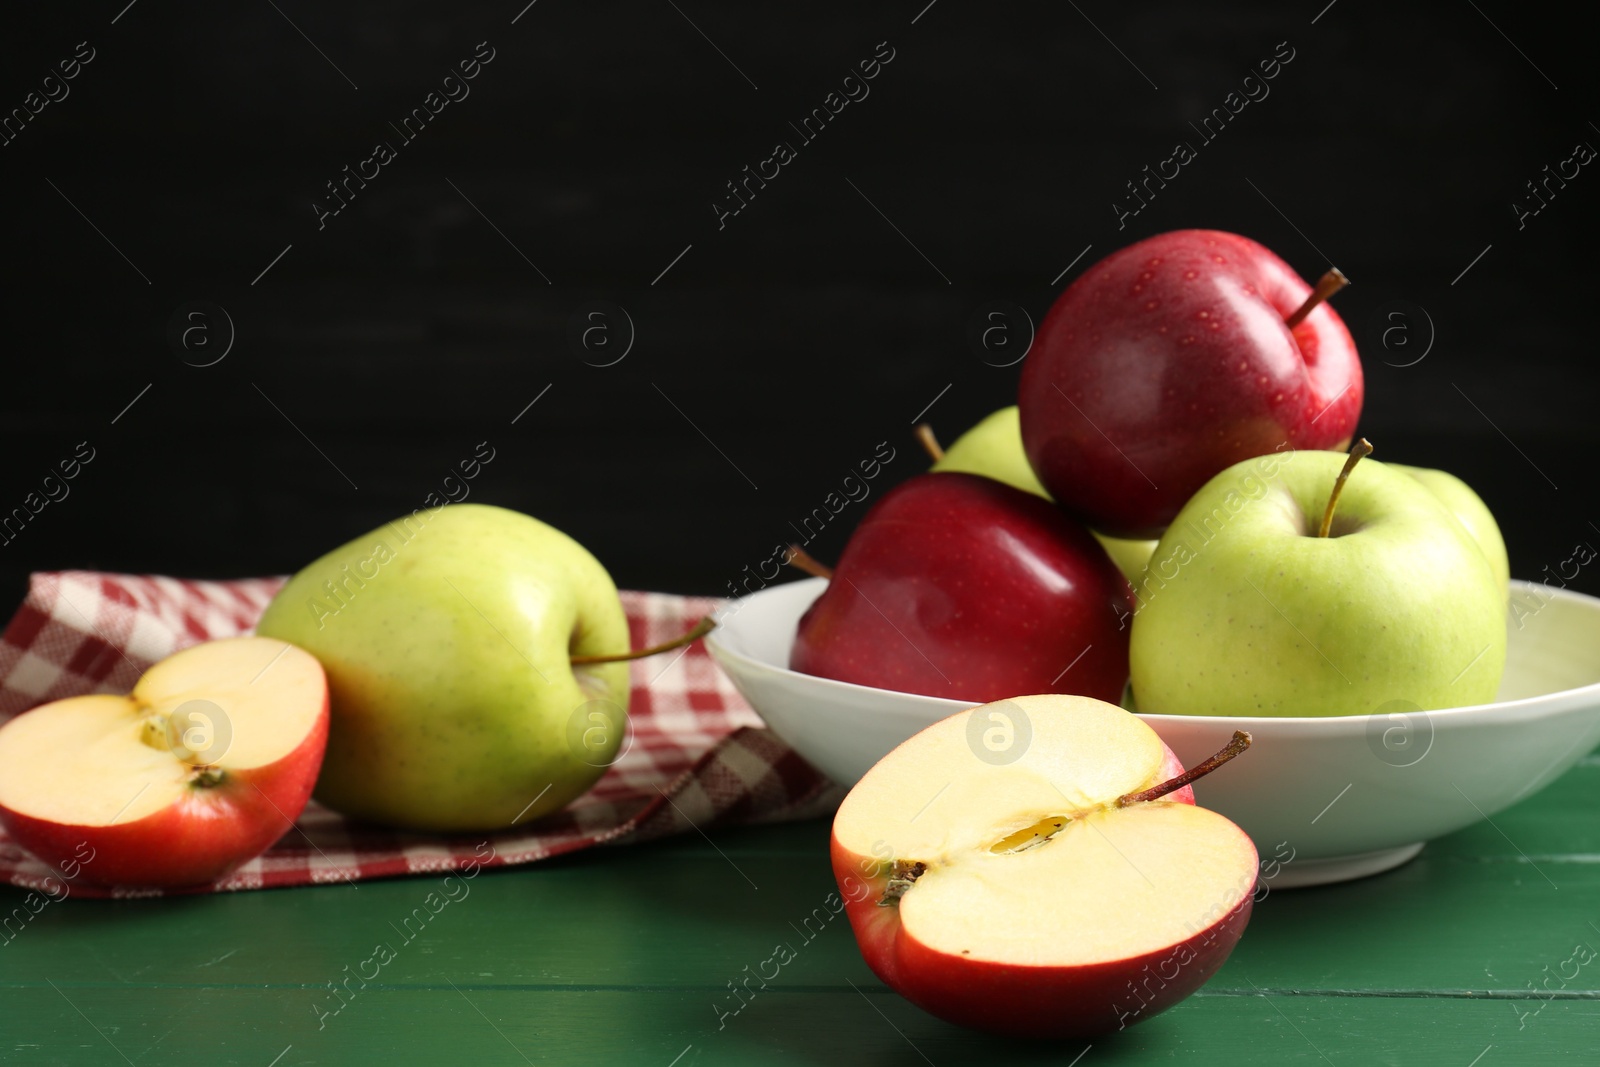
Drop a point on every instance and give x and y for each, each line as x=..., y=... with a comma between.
x=1361, y=448
x=930, y=443
x=802, y=560
x=701, y=628
x=1326, y=286
x=1241, y=741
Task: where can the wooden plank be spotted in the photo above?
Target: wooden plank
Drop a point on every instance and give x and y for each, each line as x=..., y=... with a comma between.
x=677, y=914
x=627, y=955
x=680, y=1028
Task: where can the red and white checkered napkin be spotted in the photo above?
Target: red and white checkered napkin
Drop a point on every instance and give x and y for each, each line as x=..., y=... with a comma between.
x=698, y=757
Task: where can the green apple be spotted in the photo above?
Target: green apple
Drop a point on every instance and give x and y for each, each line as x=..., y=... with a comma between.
x=1470, y=510
x=993, y=448
x=1131, y=557
x=448, y=637
x=1245, y=610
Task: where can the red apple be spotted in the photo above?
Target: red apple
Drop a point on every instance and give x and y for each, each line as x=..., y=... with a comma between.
x=1170, y=361
x=956, y=585
x=1045, y=896
x=206, y=763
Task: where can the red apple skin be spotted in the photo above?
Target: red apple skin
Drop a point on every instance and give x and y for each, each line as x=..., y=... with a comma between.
x=960, y=586
x=209, y=833
x=1043, y=1002
x=1169, y=361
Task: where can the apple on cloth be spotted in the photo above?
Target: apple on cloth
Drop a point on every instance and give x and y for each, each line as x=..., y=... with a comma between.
x=204, y=764
x=455, y=642
x=1037, y=867
x=692, y=737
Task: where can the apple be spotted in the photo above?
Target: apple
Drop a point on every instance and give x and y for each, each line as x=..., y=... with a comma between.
x=454, y=639
x=956, y=585
x=1470, y=510
x=1173, y=359
x=1037, y=867
x=1131, y=557
x=204, y=765
x=993, y=448
x=1292, y=585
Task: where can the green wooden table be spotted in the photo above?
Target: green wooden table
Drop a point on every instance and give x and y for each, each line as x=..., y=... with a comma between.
x=624, y=956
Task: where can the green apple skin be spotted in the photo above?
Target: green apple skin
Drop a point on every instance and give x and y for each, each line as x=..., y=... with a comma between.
x=1470, y=510
x=446, y=638
x=1131, y=557
x=993, y=448
x=1244, y=611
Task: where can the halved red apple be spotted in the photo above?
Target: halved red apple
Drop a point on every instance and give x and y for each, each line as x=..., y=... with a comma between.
x=206, y=763
x=1040, y=894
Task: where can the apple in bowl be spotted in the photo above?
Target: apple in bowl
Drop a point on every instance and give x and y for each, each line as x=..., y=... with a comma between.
x=993, y=448
x=1037, y=867
x=1311, y=583
x=959, y=586
x=1172, y=359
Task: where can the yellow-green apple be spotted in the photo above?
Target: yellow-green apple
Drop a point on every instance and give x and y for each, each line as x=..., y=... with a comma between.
x=960, y=586
x=993, y=448
x=1470, y=510
x=1037, y=867
x=1169, y=361
x=1131, y=557
x=206, y=763
x=449, y=638
x=1284, y=589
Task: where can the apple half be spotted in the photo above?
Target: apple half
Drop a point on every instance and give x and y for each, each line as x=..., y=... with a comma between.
x=204, y=765
x=1040, y=892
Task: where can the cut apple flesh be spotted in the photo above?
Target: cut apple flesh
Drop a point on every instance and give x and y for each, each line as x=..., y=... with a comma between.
x=193, y=719
x=1120, y=883
x=1021, y=897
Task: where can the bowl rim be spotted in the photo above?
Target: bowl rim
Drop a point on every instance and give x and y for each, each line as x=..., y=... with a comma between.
x=1262, y=722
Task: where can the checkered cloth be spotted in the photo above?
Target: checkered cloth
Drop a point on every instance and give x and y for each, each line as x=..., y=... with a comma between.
x=698, y=757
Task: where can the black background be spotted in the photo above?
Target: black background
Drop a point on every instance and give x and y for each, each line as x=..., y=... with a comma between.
x=797, y=337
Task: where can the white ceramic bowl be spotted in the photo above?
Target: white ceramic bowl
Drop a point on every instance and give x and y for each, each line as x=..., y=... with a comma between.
x=1344, y=797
